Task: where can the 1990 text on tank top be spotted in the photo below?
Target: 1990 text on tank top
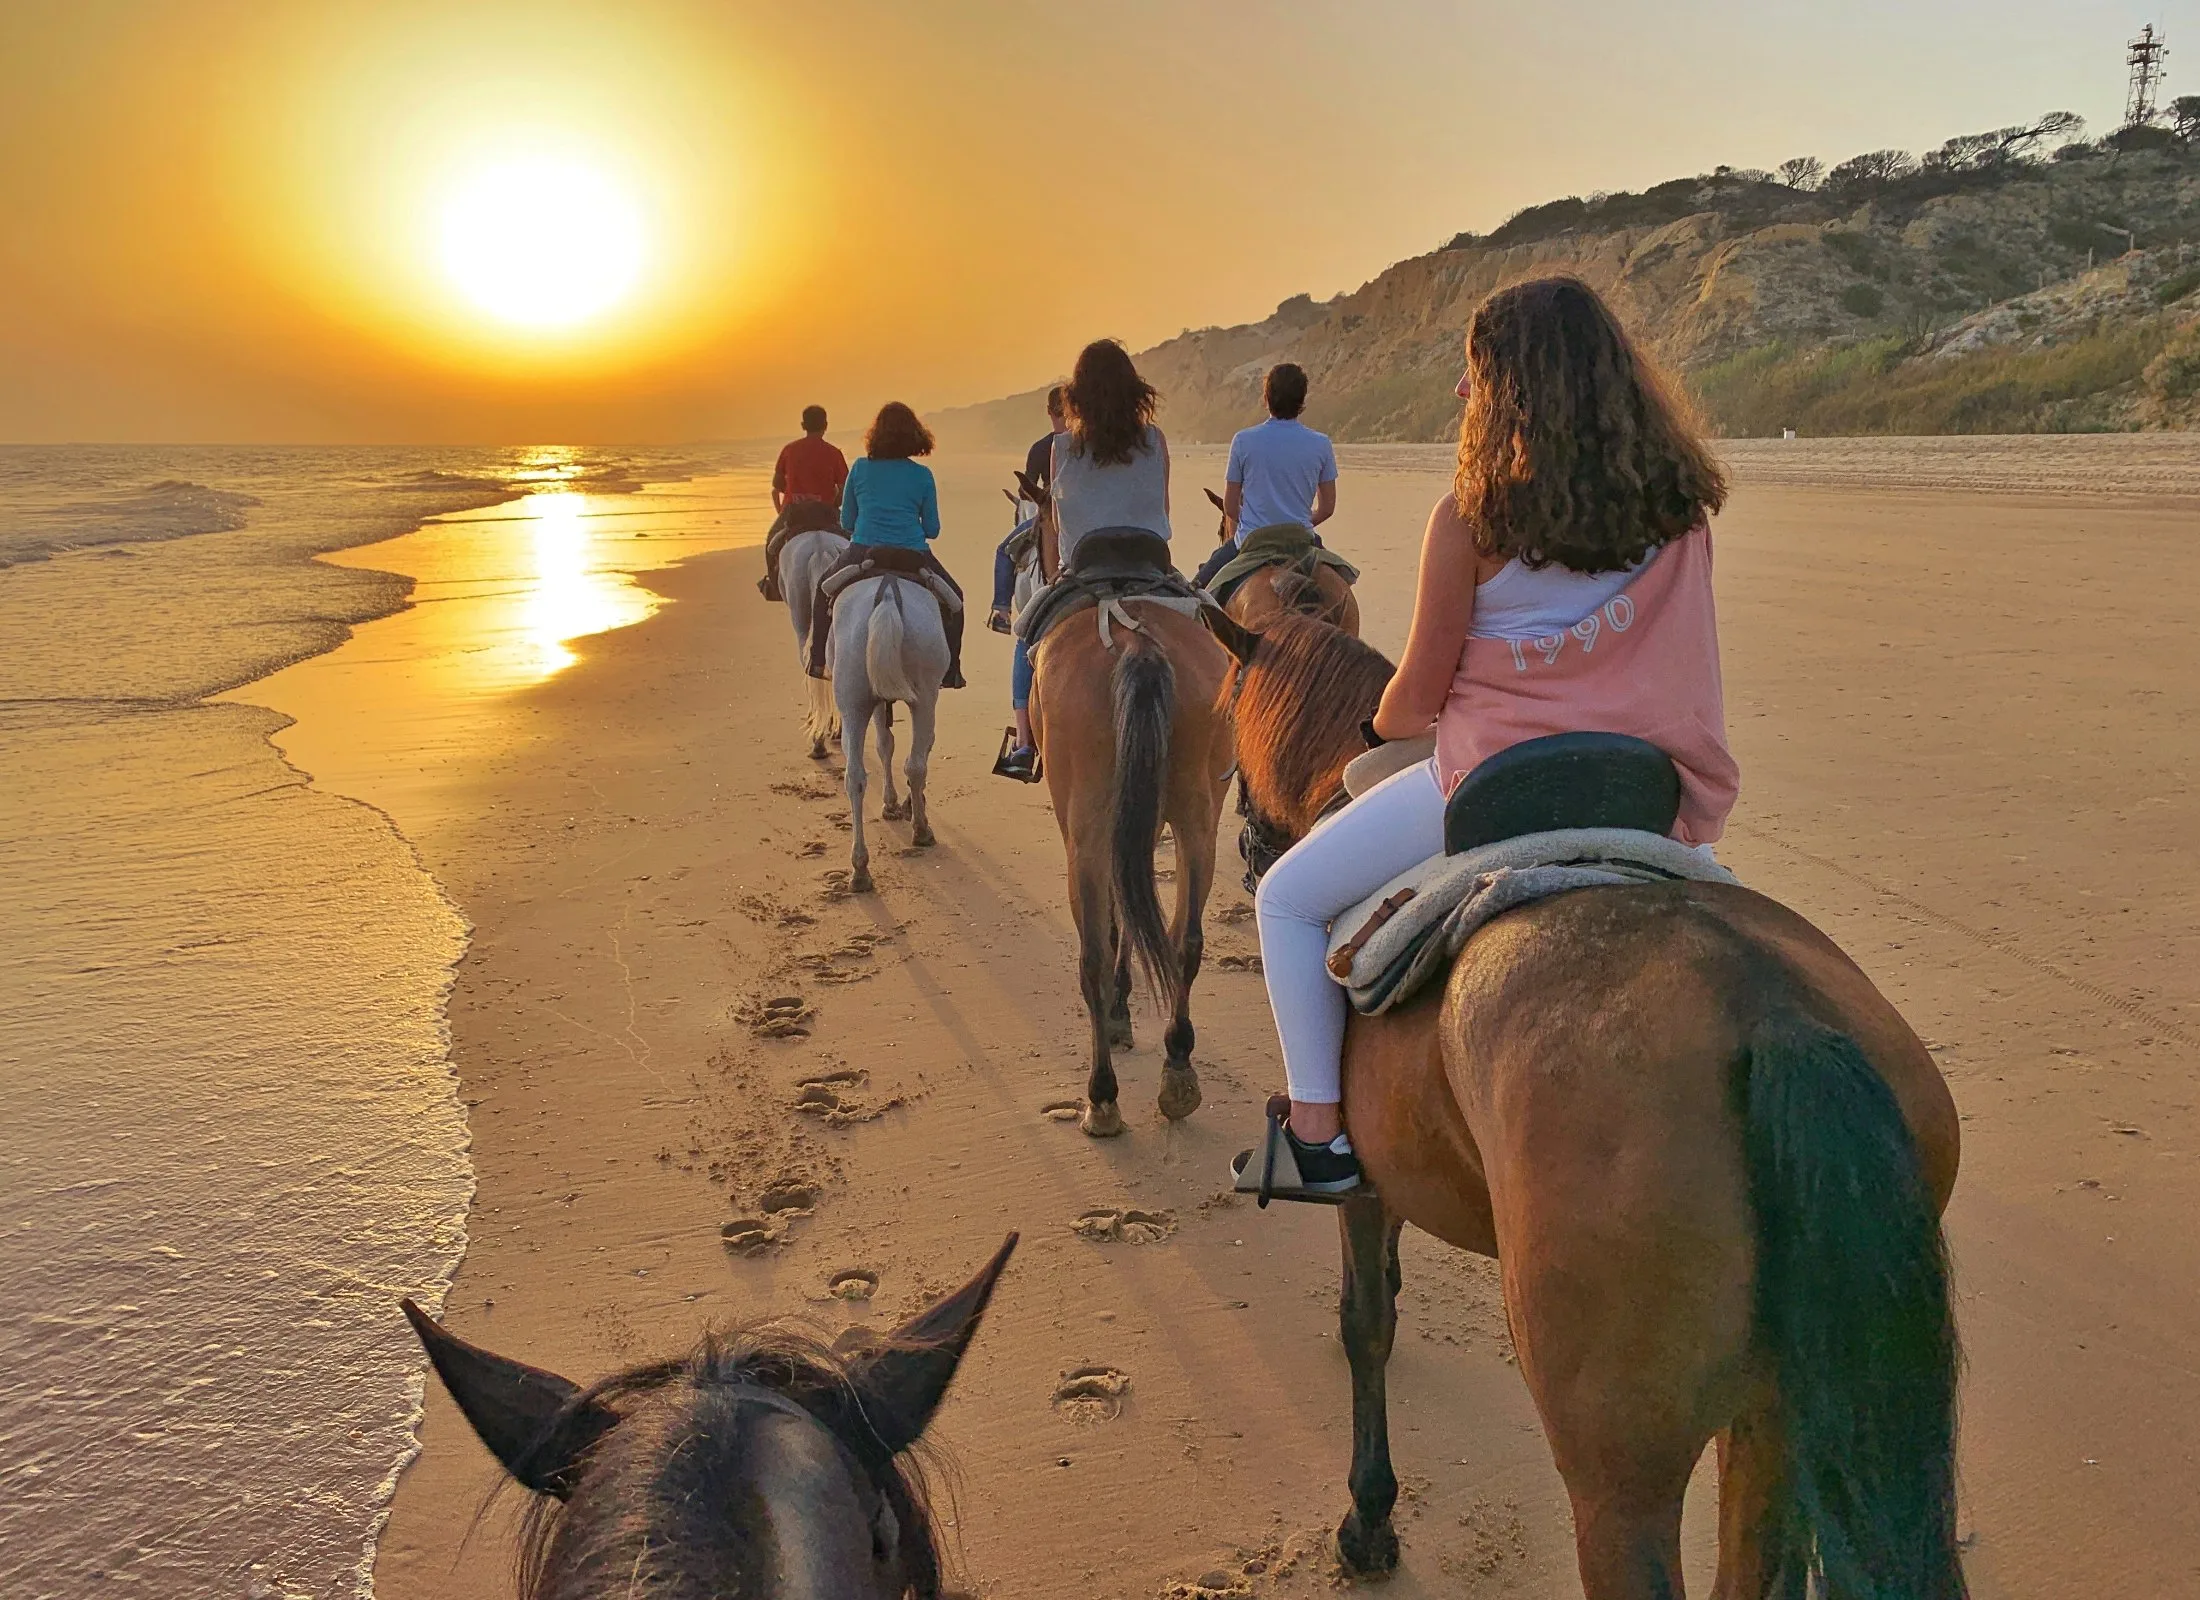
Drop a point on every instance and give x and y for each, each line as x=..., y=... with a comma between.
x=1089, y=497
x=1643, y=660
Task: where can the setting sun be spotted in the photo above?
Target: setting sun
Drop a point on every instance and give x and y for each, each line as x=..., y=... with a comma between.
x=541, y=242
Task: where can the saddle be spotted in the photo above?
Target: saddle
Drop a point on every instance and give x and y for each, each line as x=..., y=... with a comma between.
x=1569, y=811
x=796, y=518
x=1107, y=567
x=1277, y=545
x=881, y=560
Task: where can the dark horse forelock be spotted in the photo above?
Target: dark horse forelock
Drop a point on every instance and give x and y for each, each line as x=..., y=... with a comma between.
x=1299, y=702
x=691, y=1421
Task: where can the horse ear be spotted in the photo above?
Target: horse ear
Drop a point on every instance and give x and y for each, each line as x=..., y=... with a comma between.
x=902, y=1380
x=1215, y=500
x=1239, y=640
x=526, y=1416
x=1032, y=492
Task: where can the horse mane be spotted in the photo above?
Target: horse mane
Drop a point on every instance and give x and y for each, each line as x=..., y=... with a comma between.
x=1300, y=701
x=775, y=1358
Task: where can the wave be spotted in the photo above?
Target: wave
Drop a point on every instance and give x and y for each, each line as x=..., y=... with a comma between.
x=173, y=508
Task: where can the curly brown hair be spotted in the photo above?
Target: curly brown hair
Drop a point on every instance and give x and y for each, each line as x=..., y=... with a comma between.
x=1573, y=449
x=1110, y=406
x=897, y=434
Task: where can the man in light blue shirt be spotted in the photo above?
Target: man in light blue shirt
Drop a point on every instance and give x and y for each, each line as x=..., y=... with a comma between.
x=1281, y=471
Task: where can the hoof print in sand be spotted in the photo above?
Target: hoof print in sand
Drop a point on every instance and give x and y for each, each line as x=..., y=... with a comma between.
x=750, y=1236
x=788, y=1200
x=810, y=851
x=1120, y=1224
x=852, y=1283
x=1092, y=1394
x=1218, y=1584
x=833, y=1098
x=1062, y=1110
x=1239, y=963
x=786, y=1016
x=839, y=819
x=1233, y=914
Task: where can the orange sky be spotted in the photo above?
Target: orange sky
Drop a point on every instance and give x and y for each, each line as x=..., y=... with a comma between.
x=218, y=214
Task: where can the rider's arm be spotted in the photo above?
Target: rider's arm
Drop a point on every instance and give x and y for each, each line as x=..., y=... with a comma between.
x=928, y=508
x=1443, y=610
x=851, y=500
x=1164, y=438
x=1325, y=502
x=1050, y=525
x=1233, y=501
x=779, y=482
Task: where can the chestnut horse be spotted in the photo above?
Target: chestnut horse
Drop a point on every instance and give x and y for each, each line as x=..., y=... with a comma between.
x=1307, y=588
x=1133, y=735
x=1711, y=1160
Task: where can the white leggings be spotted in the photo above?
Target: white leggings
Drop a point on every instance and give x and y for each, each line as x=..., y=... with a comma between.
x=1396, y=825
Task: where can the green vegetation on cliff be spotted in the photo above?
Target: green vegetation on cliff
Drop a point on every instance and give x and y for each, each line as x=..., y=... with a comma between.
x=2011, y=281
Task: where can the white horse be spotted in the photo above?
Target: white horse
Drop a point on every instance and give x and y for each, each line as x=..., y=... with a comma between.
x=802, y=561
x=888, y=644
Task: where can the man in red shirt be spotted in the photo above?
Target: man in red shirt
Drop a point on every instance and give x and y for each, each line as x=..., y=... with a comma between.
x=806, y=485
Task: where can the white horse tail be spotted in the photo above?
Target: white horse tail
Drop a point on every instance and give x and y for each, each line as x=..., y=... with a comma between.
x=882, y=657
x=821, y=716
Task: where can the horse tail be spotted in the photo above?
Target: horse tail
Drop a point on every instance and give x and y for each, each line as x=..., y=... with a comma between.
x=821, y=713
x=1853, y=1307
x=1145, y=708
x=882, y=656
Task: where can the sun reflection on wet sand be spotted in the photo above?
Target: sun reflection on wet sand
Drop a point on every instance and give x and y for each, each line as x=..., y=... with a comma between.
x=500, y=599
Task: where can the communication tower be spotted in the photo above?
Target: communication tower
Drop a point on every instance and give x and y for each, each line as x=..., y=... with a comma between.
x=2145, y=59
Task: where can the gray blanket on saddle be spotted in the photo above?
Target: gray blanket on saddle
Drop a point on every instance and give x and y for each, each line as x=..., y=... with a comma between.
x=1405, y=935
x=1098, y=580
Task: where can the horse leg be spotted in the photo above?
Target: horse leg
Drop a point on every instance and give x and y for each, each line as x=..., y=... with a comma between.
x=853, y=717
x=923, y=722
x=1757, y=1539
x=1092, y=904
x=1195, y=871
x=1367, y=1314
x=896, y=808
x=1119, y=1006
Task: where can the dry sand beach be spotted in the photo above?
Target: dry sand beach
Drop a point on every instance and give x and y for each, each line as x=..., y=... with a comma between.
x=1962, y=684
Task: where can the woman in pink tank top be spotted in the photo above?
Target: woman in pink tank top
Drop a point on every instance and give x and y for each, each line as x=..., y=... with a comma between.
x=1583, y=500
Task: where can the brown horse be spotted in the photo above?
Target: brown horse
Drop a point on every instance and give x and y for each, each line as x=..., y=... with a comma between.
x=1711, y=1159
x=1133, y=735
x=1307, y=588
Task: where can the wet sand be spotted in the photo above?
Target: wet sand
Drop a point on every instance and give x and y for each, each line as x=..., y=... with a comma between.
x=1963, y=720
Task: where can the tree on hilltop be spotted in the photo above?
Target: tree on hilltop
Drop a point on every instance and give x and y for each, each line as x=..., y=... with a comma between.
x=1803, y=172
x=2184, y=117
x=1872, y=170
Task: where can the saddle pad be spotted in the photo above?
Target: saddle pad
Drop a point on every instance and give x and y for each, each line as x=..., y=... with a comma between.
x=1070, y=594
x=838, y=582
x=1277, y=545
x=1394, y=943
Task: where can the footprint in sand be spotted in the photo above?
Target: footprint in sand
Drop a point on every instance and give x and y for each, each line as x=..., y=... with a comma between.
x=839, y=819
x=1122, y=1225
x=852, y=1283
x=1062, y=1110
x=810, y=851
x=1239, y=964
x=1092, y=1394
x=1218, y=1584
x=1234, y=914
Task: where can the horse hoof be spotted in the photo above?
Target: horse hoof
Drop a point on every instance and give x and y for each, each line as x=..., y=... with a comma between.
x=1367, y=1553
x=1179, y=1092
x=1102, y=1120
x=1119, y=1034
x=896, y=811
x=923, y=837
x=859, y=881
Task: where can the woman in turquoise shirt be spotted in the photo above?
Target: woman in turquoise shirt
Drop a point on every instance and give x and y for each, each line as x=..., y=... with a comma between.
x=891, y=509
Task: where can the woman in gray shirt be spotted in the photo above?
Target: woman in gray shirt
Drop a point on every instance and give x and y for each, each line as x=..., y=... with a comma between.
x=1111, y=468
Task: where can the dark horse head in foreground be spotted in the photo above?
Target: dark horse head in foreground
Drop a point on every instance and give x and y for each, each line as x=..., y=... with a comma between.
x=763, y=1465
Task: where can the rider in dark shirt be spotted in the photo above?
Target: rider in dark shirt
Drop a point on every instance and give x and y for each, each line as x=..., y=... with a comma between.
x=1038, y=461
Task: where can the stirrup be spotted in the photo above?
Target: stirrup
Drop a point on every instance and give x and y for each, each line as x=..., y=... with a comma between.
x=1276, y=1170
x=1001, y=768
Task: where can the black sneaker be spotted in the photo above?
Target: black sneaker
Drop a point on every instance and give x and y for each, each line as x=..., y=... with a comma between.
x=1288, y=1168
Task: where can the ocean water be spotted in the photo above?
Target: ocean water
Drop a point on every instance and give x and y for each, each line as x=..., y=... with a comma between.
x=229, y=1133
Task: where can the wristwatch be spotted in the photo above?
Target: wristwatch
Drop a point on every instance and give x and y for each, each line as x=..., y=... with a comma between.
x=1367, y=732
